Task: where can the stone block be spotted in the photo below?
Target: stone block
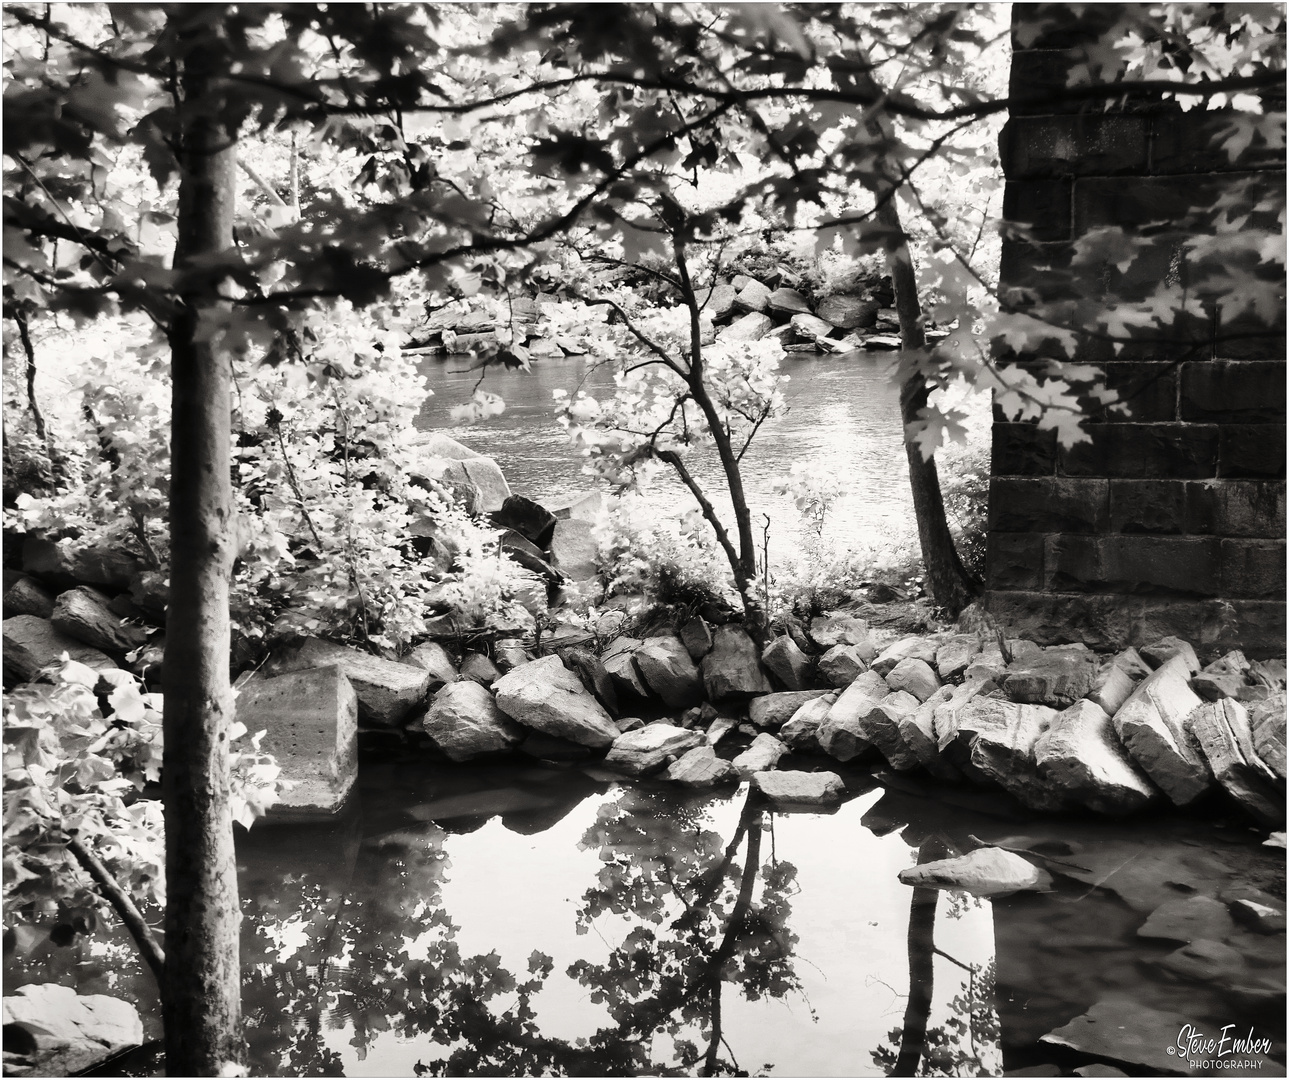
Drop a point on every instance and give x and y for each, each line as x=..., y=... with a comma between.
x=1140, y=200
x=733, y=668
x=1147, y=506
x=33, y=645
x=619, y=661
x=799, y=731
x=752, y=297
x=27, y=596
x=1117, y=679
x=1267, y=723
x=1253, y=568
x=842, y=664
x=528, y=518
x=310, y=724
x=667, y=669
x=1085, y=144
x=1233, y=392
x=1195, y=141
x=1132, y=563
x=848, y=312
x=1252, y=451
x=1147, y=388
x=388, y=692
x=545, y=696
x=1144, y=451
x=763, y=754
x=772, y=711
x=914, y=676
x=787, y=302
x=1252, y=508
x=1021, y=449
x=1058, y=677
x=699, y=768
x=1151, y=724
x=994, y=742
x=1015, y=560
x=1159, y=652
x=1038, y=79
x=1081, y=757
x=787, y=663
x=1050, y=618
x=1047, y=504
x=839, y=735
x=1223, y=732
x=953, y=657
x=1042, y=204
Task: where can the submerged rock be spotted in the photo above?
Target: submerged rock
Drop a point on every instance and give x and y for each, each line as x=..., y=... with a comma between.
x=545, y=696
x=1151, y=725
x=1188, y=919
x=1081, y=757
x=800, y=788
x=649, y=748
x=733, y=668
x=465, y=723
x=987, y=871
x=668, y=671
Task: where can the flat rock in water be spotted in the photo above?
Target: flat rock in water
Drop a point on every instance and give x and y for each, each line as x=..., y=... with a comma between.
x=1222, y=729
x=987, y=871
x=918, y=648
x=432, y=657
x=1081, y=756
x=914, y=676
x=1204, y=961
x=574, y=549
x=1151, y=725
x=700, y=767
x=840, y=735
x=668, y=670
x=843, y=664
x=787, y=663
x=71, y=1033
x=1160, y=652
x=32, y=645
x=648, y=749
x=811, y=327
x=27, y=596
x=799, y=732
x=800, y=788
x=994, y=742
x=545, y=696
x=619, y=662
x=388, y=691
x=733, y=668
x=882, y=343
x=827, y=631
x=1058, y=677
x=1188, y=919
x=1267, y=722
x=696, y=636
x=879, y=724
x=464, y=722
x=763, y=754
x=772, y=711
x=310, y=724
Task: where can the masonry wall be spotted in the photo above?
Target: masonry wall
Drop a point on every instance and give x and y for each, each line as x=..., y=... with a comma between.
x=1172, y=520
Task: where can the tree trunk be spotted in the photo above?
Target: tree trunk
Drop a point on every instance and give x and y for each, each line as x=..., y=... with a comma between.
x=201, y=994
x=921, y=945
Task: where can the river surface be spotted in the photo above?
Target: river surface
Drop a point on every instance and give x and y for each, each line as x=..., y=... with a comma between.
x=529, y=919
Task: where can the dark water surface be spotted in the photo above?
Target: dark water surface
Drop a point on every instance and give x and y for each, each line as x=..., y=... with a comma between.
x=533, y=919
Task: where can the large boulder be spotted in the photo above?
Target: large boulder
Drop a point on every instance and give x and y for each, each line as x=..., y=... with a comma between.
x=1152, y=725
x=310, y=724
x=848, y=312
x=800, y=788
x=1160, y=652
x=994, y=742
x=772, y=711
x=752, y=297
x=1222, y=730
x=843, y=664
x=787, y=663
x=798, y=733
x=519, y=548
x=700, y=767
x=84, y=613
x=763, y=754
x=595, y=677
x=1081, y=756
x=1059, y=676
x=750, y=327
x=574, y=550
x=914, y=676
x=788, y=302
x=733, y=668
x=840, y=735
x=530, y=519
x=27, y=596
x=667, y=669
x=464, y=722
x=33, y=645
x=450, y=462
x=619, y=662
x=953, y=656
x=647, y=749
x=66, y=1033
x=879, y=724
x=545, y=696
x=919, y=648
x=696, y=636
x=388, y=691
x=1117, y=678
x=432, y=657
x=987, y=871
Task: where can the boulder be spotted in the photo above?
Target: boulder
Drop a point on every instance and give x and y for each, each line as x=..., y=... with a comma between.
x=27, y=596
x=594, y=676
x=917, y=732
x=1222, y=730
x=840, y=735
x=918, y=648
x=718, y=301
x=588, y=507
x=719, y=728
x=464, y=722
x=1214, y=686
x=914, y=676
x=449, y=462
x=772, y=711
x=987, y=871
x=1151, y=725
x=619, y=662
x=1204, y=961
x=843, y=664
x=528, y=555
x=952, y=658
x=66, y=564
x=800, y=788
x=700, y=767
x=1270, y=673
x=987, y=665
x=1163, y=650
x=83, y=613
x=432, y=657
x=1267, y=722
x=733, y=668
x=787, y=662
x=878, y=723
x=827, y=631
x=668, y=671
x=1117, y=678
x=1059, y=676
x=848, y=312
x=647, y=749
x=798, y=733
x=750, y=327
x=1188, y=919
x=810, y=327
x=788, y=302
x=530, y=519
x=1081, y=757
x=67, y=1034
x=574, y=549
x=763, y=754
x=33, y=645
x=388, y=692
x=752, y=297
x=545, y=696
x=509, y=654
x=696, y=636
x=994, y=742
x=479, y=668
x=1230, y=663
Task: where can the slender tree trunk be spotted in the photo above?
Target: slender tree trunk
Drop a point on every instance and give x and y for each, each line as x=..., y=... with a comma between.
x=921, y=944
x=202, y=987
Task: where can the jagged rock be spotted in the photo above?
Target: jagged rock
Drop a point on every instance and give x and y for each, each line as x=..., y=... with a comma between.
x=787, y=662
x=750, y=327
x=310, y=724
x=432, y=657
x=528, y=555
x=800, y=788
x=733, y=668
x=1058, y=677
x=952, y=658
x=718, y=301
x=65, y=564
x=1222, y=729
x=595, y=677
x=752, y=297
x=629, y=723
x=994, y=742
x=1271, y=673
x=1188, y=919
x=828, y=631
x=69, y=1033
x=848, y=312
x=700, y=767
x=509, y=654
x=1081, y=757
x=1159, y=652
x=388, y=692
x=83, y=613
x=667, y=670
x=1261, y=918
x=586, y=507
x=763, y=754
x=1230, y=663
x=1116, y=679
x=810, y=327
x=882, y=343
x=1267, y=722
x=917, y=648
x=945, y=714
x=719, y=728
x=1214, y=686
x=840, y=735
x=648, y=749
x=772, y=711
x=1151, y=725
x=530, y=519
x=917, y=730
x=798, y=733
x=987, y=871
x=879, y=724
x=545, y=696
x=619, y=662
x=27, y=596
x=788, y=301
x=574, y=550
x=478, y=668
x=987, y=665
x=31, y=645
x=915, y=676
x=450, y=462
x=843, y=664
x=696, y=636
